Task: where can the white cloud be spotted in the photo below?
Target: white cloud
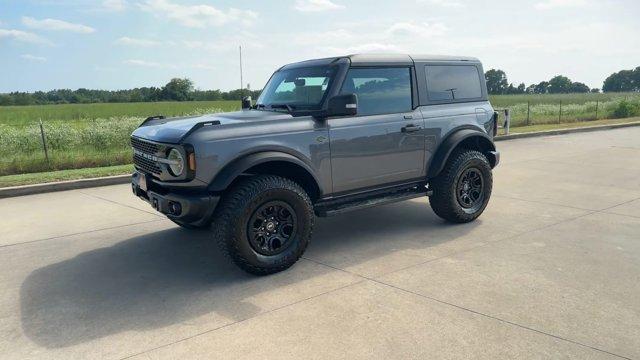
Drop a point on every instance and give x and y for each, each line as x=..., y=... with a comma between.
x=444, y=3
x=363, y=48
x=203, y=66
x=56, y=25
x=114, y=5
x=417, y=29
x=23, y=36
x=316, y=5
x=554, y=4
x=125, y=40
x=198, y=16
x=33, y=58
x=144, y=63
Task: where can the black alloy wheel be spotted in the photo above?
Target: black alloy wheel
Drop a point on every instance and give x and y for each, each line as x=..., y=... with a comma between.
x=271, y=227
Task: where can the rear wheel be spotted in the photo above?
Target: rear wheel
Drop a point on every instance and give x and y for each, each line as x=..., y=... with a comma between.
x=264, y=224
x=462, y=191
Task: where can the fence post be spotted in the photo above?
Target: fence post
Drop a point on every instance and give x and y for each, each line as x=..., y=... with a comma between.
x=597, y=109
x=560, y=113
x=528, y=113
x=507, y=121
x=44, y=142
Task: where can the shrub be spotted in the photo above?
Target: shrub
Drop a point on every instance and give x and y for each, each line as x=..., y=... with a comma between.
x=625, y=109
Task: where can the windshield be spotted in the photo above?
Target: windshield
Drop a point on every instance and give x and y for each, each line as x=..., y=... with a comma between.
x=299, y=89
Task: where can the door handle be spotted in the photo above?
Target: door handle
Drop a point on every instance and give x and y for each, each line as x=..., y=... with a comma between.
x=410, y=128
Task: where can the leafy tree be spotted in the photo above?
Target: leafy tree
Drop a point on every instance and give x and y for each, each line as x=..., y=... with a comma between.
x=595, y=90
x=6, y=100
x=559, y=85
x=177, y=90
x=541, y=88
x=578, y=87
x=496, y=81
x=624, y=80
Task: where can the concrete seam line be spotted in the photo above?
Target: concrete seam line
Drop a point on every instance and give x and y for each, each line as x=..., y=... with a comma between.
x=243, y=320
x=499, y=319
x=79, y=233
x=564, y=131
x=63, y=185
x=120, y=204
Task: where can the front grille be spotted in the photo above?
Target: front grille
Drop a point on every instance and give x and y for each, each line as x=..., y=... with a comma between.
x=144, y=146
x=142, y=162
x=146, y=164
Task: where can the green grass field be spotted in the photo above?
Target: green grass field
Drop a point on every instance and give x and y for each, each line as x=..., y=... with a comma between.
x=21, y=115
x=97, y=135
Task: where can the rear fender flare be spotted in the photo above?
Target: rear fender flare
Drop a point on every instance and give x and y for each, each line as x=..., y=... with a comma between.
x=483, y=143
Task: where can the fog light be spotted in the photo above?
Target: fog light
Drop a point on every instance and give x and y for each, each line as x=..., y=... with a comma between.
x=175, y=208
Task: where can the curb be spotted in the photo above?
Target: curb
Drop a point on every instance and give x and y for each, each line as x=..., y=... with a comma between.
x=63, y=185
x=565, y=131
x=124, y=179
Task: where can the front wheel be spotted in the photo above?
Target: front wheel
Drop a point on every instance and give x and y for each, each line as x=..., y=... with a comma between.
x=264, y=224
x=462, y=191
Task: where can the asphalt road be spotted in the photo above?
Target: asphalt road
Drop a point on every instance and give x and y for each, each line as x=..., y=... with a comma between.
x=551, y=270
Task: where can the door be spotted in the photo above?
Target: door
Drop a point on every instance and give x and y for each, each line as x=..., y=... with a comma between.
x=384, y=143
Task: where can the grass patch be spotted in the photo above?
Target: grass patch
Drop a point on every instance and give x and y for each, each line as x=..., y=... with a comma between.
x=46, y=177
x=21, y=115
x=74, y=174
x=546, y=127
x=82, y=136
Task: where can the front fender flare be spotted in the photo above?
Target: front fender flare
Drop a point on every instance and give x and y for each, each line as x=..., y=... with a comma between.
x=232, y=170
x=484, y=144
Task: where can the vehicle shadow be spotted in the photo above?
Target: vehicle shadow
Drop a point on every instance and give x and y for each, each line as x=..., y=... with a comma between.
x=172, y=276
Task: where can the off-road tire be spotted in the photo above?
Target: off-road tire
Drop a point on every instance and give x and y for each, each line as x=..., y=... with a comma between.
x=231, y=222
x=445, y=202
x=188, y=226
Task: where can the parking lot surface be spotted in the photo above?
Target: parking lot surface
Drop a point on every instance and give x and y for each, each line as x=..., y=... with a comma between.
x=550, y=270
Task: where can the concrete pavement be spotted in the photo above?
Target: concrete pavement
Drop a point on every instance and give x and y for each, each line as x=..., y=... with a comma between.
x=551, y=270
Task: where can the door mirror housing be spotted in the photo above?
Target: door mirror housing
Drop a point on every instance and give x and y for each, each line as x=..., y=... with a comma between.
x=343, y=105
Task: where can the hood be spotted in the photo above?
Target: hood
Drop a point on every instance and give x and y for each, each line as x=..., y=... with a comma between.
x=174, y=130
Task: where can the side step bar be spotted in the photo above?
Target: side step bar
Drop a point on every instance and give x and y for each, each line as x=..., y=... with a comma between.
x=335, y=207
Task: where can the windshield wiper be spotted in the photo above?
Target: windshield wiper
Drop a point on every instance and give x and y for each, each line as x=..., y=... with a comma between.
x=288, y=107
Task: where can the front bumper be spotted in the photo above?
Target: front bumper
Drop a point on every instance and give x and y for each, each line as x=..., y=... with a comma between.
x=191, y=208
x=494, y=158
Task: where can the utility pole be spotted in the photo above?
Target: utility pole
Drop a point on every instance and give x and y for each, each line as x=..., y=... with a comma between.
x=241, y=80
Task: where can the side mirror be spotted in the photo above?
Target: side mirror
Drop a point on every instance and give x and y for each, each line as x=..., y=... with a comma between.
x=246, y=102
x=343, y=105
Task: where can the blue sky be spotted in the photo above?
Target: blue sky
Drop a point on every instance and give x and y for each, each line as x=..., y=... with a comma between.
x=119, y=44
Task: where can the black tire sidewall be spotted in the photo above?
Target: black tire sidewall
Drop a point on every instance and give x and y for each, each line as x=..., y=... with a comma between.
x=295, y=246
x=486, y=185
x=444, y=201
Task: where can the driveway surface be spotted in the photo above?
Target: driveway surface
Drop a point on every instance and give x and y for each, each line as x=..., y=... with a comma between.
x=551, y=270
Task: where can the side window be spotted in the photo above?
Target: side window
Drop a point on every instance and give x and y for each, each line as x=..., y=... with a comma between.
x=453, y=82
x=379, y=90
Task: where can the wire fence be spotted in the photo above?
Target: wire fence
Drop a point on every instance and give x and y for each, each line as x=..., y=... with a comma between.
x=528, y=113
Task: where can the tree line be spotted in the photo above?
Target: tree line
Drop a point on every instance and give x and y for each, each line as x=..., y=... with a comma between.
x=183, y=90
x=174, y=90
x=621, y=81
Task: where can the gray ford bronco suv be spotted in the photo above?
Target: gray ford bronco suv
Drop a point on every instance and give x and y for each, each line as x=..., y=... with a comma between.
x=325, y=137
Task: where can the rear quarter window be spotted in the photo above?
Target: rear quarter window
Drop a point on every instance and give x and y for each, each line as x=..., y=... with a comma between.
x=453, y=82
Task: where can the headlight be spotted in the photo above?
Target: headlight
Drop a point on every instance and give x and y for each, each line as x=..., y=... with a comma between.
x=176, y=162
